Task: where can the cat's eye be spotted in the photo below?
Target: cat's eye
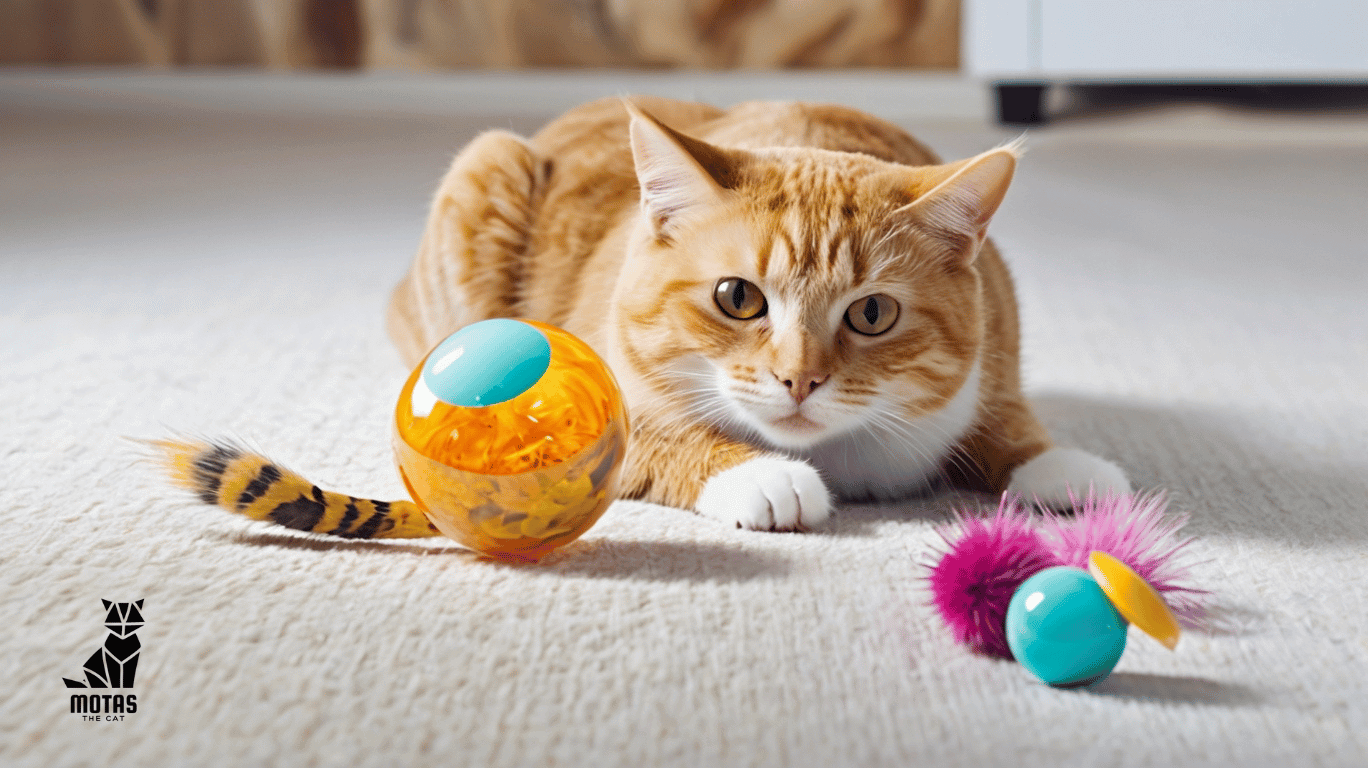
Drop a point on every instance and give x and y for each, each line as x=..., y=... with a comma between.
x=872, y=315
x=740, y=298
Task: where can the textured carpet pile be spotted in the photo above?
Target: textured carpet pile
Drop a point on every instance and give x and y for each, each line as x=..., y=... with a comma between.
x=1193, y=288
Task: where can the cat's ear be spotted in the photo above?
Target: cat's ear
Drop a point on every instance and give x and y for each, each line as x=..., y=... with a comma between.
x=678, y=174
x=963, y=197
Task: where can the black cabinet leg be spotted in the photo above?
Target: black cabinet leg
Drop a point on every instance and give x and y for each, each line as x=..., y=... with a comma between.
x=1021, y=103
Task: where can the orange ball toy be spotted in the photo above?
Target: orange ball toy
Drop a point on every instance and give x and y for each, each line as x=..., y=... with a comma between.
x=510, y=436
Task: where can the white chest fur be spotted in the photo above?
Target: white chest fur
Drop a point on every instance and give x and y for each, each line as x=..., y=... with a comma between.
x=888, y=462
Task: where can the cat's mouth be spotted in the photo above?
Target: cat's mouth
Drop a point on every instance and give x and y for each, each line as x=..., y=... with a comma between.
x=797, y=422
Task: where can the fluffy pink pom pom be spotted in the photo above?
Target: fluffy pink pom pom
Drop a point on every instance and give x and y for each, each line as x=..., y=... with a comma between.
x=1134, y=529
x=982, y=567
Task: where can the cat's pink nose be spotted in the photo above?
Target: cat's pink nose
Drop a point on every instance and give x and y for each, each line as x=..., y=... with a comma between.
x=801, y=385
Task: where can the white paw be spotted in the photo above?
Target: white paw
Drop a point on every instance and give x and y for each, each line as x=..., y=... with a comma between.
x=1050, y=476
x=767, y=494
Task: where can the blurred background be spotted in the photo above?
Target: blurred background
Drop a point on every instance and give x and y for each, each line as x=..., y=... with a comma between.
x=423, y=34
x=1246, y=52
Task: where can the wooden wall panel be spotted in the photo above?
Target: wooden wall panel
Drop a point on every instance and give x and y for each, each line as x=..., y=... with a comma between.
x=437, y=34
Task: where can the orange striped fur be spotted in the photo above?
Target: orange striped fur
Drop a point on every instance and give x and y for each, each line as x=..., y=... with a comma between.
x=240, y=481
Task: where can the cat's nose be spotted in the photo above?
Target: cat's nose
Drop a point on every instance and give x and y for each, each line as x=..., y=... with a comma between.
x=801, y=385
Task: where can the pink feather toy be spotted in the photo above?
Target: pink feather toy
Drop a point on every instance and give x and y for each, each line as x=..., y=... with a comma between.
x=986, y=558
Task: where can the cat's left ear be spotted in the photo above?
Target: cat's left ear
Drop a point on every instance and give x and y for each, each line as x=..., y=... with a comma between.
x=678, y=174
x=957, y=208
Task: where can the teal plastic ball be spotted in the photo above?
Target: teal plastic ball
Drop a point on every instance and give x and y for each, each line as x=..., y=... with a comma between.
x=1062, y=627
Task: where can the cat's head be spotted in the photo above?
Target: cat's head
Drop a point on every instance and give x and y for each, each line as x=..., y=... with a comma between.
x=800, y=294
x=123, y=619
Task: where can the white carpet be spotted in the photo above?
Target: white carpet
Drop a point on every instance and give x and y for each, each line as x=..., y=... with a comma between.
x=1193, y=286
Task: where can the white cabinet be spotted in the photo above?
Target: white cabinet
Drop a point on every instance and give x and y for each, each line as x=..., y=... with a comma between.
x=1041, y=41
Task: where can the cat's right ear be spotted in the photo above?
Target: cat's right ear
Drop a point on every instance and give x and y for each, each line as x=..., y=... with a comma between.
x=678, y=174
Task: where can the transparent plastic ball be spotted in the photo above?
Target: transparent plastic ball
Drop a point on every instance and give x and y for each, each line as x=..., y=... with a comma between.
x=510, y=436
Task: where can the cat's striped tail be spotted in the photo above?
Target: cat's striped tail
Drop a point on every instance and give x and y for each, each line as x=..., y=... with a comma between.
x=240, y=481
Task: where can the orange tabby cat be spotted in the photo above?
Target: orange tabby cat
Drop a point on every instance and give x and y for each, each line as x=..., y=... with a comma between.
x=797, y=300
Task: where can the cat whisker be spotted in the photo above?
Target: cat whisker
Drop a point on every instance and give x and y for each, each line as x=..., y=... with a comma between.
x=703, y=401
x=955, y=458
x=912, y=440
x=906, y=437
x=713, y=407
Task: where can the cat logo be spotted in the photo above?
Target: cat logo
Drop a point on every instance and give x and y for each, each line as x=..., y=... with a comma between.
x=112, y=665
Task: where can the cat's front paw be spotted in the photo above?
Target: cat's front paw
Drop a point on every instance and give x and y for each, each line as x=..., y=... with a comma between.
x=1050, y=476
x=767, y=494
